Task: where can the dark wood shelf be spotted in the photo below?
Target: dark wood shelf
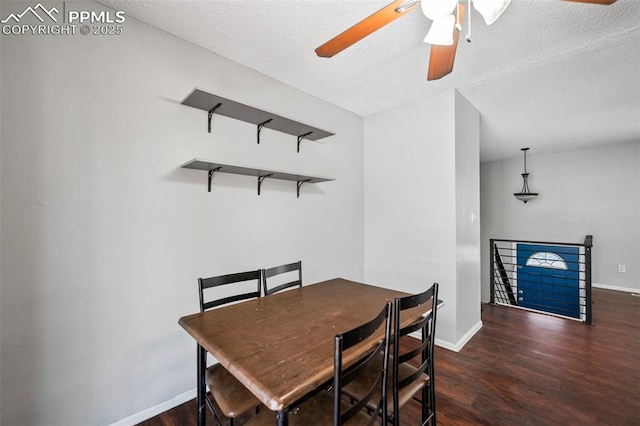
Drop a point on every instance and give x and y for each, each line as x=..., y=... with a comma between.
x=214, y=104
x=260, y=173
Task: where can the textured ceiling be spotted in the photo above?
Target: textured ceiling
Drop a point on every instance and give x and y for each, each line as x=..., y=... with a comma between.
x=549, y=74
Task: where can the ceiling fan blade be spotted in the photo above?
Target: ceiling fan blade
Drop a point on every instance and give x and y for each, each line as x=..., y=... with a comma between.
x=604, y=2
x=441, y=57
x=387, y=14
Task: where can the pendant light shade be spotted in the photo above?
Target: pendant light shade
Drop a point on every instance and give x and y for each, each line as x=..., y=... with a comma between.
x=490, y=9
x=441, y=32
x=525, y=194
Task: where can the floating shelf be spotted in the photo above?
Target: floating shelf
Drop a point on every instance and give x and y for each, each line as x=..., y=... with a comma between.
x=214, y=104
x=261, y=174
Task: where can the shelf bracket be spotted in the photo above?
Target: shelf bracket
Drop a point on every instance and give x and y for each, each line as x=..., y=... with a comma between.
x=261, y=178
x=211, y=112
x=300, y=182
x=261, y=125
x=211, y=172
x=302, y=137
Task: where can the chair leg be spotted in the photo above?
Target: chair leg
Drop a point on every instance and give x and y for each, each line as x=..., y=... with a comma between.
x=429, y=405
x=426, y=404
x=229, y=421
x=210, y=405
x=432, y=391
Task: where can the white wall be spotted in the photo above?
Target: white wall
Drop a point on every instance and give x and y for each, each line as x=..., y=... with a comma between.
x=467, y=146
x=591, y=191
x=411, y=188
x=103, y=236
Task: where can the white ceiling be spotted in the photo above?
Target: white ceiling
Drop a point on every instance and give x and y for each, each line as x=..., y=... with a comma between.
x=549, y=74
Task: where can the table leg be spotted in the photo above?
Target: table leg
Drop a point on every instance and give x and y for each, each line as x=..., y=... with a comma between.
x=200, y=386
x=282, y=417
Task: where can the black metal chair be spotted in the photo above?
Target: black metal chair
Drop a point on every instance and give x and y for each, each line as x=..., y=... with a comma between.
x=329, y=407
x=405, y=380
x=408, y=380
x=229, y=394
x=279, y=270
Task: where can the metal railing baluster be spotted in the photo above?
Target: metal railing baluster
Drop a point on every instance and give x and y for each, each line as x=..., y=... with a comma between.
x=552, y=291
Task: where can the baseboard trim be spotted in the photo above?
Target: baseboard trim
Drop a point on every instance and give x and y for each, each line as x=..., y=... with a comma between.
x=447, y=345
x=146, y=414
x=455, y=347
x=616, y=288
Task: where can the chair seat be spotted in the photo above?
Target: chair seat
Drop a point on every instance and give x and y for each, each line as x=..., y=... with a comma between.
x=358, y=387
x=231, y=396
x=316, y=411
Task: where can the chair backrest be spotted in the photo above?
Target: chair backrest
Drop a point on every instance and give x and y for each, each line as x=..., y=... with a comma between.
x=427, y=326
x=205, y=283
x=279, y=270
x=376, y=361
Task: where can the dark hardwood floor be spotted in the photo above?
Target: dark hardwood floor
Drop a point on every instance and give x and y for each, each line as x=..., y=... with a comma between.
x=525, y=368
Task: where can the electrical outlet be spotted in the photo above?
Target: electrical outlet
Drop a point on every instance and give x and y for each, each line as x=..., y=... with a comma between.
x=622, y=268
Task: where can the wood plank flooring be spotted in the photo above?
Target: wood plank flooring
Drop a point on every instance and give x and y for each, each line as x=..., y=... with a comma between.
x=525, y=368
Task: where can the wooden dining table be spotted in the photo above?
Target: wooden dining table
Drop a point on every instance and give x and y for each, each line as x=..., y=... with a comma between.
x=280, y=347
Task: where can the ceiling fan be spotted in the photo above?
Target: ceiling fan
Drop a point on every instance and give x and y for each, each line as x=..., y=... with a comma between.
x=443, y=35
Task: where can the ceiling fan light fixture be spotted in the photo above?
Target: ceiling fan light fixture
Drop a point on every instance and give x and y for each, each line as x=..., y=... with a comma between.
x=435, y=9
x=490, y=9
x=441, y=32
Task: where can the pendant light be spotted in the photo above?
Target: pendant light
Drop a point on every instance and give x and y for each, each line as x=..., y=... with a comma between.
x=491, y=9
x=441, y=12
x=525, y=194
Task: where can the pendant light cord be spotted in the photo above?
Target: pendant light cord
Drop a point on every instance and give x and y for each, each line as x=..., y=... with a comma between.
x=468, y=37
